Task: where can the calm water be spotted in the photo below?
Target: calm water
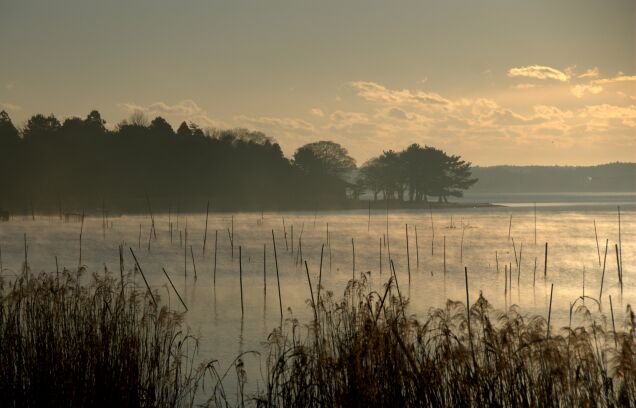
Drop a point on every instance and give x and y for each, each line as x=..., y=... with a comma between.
x=215, y=310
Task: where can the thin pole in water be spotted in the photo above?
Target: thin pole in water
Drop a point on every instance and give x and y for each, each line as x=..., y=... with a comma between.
x=598, y=250
x=545, y=262
x=194, y=265
x=175, y=289
x=322, y=249
x=519, y=265
x=80, y=241
x=430, y=209
x=380, y=256
x=216, y=240
x=620, y=246
x=613, y=324
x=280, y=301
x=265, y=269
x=603, y=275
x=470, y=335
x=444, y=255
x=143, y=276
x=618, y=268
x=353, y=260
x=417, y=250
x=408, y=257
x=509, y=227
x=241, y=279
x=535, y=223
x=550, y=309
x=461, y=246
x=497, y=262
x=205, y=233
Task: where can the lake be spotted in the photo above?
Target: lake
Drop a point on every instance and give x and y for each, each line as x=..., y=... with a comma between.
x=488, y=241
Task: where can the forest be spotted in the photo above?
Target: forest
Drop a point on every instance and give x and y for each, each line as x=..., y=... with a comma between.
x=48, y=165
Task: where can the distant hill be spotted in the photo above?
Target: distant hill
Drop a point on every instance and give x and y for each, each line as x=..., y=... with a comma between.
x=611, y=177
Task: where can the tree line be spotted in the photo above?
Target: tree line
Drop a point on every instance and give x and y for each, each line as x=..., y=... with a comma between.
x=79, y=163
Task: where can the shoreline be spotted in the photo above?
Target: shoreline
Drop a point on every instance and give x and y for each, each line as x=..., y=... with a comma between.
x=194, y=209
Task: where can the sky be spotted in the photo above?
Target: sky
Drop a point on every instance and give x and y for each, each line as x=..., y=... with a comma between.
x=495, y=81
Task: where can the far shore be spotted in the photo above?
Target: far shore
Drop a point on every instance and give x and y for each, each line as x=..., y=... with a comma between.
x=200, y=207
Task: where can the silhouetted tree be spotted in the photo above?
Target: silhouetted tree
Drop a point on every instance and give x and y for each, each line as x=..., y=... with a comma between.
x=324, y=158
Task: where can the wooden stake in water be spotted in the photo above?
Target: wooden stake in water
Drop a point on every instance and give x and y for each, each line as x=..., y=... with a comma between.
x=550, y=309
x=618, y=268
x=80, y=241
x=603, y=275
x=26, y=257
x=515, y=250
x=232, y=235
x=103, y=220
x=613, y=324
x=285, y=234
x=506, y=283
x=430, y=209
x=353, y=260
x=322, y=249
x=497, y=262
x=280, y=300
x=444, y=255
x=143, y=276
x=519, y=265
x=205, y=232
x=620, y=246
x=598, y=250
x=545, y=262
x=470, y=335
x=152, y=218
x=408, y=256
x=461, y=246
x=535, y=223
x=509, y=227
x=311, y=291
x=417, y=250
x=380, y=256
x=241, y=279
x=265, y=269
x=216, y=240
x=194, y=265
x=175, y=289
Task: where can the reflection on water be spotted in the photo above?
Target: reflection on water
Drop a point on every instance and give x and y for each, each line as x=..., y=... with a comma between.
x=496, y=244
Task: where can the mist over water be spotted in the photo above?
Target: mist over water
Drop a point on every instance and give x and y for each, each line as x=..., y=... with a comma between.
x=475, y=238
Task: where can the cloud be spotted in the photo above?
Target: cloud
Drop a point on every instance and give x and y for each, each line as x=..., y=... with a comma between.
x=266, y=123
x=539, y=72
x=615, y=80
x=525, y=86
x=317, y=112
x=590, y=73
x=580, y=90
x=375, y=92
x=10, y=107
x=187, y=110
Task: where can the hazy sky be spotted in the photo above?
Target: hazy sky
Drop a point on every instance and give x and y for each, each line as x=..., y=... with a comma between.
x=497, y=81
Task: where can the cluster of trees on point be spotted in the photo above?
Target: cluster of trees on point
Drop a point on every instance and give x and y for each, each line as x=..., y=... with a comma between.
x=416, y=172
x=80, y=163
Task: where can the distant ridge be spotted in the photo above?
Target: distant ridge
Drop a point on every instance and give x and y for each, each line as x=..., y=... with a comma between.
x=610, y=177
